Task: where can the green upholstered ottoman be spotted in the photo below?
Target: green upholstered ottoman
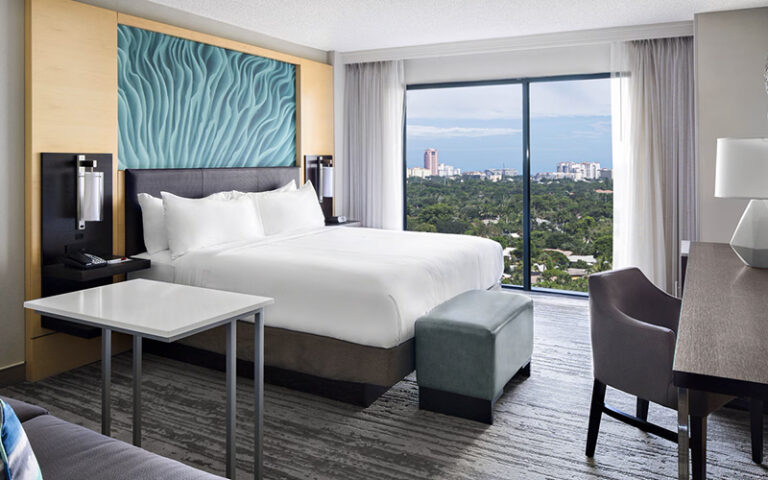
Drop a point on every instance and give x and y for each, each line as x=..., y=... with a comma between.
x=468, y=348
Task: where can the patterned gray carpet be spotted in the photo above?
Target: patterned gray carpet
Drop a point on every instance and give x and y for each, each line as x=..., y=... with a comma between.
x=539, y=432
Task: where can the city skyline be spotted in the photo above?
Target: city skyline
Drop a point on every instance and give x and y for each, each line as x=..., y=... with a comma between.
x=479, y=128
x=577, y=171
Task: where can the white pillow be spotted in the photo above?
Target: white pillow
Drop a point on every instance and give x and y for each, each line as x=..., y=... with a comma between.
x=288, y=187
x=153, y=219
x=153, y=214
x=202, y=222
x=283, y=212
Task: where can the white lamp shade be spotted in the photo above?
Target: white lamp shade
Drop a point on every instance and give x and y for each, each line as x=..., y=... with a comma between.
x=92, y=196
x=327, y=182
x=741, y=169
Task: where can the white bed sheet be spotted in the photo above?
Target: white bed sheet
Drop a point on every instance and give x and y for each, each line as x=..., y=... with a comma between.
x=161, y=268
x=360, y=285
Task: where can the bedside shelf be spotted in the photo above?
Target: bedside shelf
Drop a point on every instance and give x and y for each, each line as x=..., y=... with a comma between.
x=348, y=223
x=64, y=272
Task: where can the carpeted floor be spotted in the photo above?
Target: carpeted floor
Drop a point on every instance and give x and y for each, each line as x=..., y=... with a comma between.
x=539, y=432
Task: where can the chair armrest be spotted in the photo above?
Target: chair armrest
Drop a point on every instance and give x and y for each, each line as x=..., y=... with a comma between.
x=631, y=355
x=663, y=309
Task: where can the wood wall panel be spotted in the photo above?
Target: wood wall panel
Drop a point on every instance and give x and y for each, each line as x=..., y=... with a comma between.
x=71, y=106
x=71, y=95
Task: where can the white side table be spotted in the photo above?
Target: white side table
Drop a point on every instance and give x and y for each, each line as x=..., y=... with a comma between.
x=166, y=312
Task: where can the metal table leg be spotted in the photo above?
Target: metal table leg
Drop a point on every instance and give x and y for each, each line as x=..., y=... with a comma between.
x=137, y=390
x=682, y=434
x=258, y=381
x=106, y=377
x=231, y=397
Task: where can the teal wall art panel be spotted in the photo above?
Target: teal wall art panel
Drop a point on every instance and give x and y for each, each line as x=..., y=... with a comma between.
x=185, y=104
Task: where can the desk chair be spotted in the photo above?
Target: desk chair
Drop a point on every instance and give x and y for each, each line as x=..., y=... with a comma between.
x=634, y=329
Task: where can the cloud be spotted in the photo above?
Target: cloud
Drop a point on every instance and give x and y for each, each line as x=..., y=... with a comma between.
x=429, y=131
x=504, y=102
x=597, y=129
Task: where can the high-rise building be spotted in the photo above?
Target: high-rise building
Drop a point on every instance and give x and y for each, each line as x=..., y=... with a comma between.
x=430, y=160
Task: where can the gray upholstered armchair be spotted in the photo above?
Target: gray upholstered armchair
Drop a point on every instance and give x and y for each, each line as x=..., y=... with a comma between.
x=634, y=329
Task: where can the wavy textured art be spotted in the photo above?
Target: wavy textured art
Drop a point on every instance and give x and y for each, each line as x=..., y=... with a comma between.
x=185, y=104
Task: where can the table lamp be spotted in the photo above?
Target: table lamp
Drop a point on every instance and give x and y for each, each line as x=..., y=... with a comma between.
x=741, y=171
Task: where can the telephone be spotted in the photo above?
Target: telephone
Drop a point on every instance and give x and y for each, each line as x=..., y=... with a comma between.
x=84, y=260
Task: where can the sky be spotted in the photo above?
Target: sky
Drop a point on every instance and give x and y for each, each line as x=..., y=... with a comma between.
x=475, y=128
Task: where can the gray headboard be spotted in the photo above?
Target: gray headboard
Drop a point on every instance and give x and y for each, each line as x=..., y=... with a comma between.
x=193, y=183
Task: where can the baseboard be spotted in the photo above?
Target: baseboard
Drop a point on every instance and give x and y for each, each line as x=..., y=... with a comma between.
x=362, y=394
x=12, y=375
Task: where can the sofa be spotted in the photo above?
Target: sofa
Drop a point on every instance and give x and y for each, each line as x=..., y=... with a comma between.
x=68, y=451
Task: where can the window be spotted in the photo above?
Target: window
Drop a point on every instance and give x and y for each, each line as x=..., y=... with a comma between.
x=467, y=172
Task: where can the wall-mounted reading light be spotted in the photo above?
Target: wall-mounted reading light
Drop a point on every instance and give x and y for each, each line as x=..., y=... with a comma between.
x=326, y=180
x=90, y=192
x=319, y=170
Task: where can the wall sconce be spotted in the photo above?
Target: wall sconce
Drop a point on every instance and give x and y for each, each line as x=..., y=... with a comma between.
x=319, y=170
x=326, y=180
x=90, y=192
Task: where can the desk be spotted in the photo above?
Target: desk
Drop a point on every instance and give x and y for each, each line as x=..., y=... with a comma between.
x=722, y=338
x=166, y=312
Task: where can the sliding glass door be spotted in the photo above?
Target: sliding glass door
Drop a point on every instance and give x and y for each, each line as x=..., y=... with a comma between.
x=571, y=182
x=525, y=162
x=464, y=165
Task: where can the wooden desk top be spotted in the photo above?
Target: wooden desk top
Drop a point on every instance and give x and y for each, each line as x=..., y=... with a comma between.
x=723, y=328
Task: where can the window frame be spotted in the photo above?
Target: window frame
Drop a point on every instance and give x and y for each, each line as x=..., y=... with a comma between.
x=526, y=157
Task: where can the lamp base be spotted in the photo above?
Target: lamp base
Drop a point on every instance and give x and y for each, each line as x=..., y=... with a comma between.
x=750, y=240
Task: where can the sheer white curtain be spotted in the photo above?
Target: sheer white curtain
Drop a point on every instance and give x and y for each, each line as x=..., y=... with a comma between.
x=373, y=138
x=653, y=155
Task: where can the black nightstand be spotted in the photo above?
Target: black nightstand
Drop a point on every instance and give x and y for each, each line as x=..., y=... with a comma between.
x=348, y=223
x=64, y=272
x=61, y=278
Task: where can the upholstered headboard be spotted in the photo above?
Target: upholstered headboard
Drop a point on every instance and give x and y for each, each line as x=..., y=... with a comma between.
x=193, y=183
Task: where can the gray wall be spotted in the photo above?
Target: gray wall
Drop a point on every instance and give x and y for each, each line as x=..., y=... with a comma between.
x=538, y=62
x=11, y=182
x=731, y=51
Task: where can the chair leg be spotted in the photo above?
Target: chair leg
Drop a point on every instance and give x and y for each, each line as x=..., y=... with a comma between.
x=595, y=414
x=698, y=447
x=642, y=409
x=756, y=428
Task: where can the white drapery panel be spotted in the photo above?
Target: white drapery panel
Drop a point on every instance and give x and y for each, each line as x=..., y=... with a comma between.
x=373, y=138
x=655, y=205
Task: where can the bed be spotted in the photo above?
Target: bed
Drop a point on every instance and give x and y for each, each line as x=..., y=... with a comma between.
x=346, y=298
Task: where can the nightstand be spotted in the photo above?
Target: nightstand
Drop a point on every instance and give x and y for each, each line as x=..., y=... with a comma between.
x=348, y=223
x=64, y=272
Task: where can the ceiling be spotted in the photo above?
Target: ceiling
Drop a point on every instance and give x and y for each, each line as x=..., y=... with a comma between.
x=349, y=25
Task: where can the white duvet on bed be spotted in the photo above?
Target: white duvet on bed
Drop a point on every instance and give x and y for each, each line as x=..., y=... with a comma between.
x=365, y=286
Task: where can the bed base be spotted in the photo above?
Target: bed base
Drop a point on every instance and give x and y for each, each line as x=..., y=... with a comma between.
x=360, y=394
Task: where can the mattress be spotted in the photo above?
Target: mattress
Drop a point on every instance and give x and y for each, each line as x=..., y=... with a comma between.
x=365, y=286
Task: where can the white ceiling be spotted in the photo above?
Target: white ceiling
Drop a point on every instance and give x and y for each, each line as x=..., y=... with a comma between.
x=349, y=25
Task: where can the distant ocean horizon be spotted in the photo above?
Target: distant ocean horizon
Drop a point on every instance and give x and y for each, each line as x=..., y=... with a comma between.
x=493, y=144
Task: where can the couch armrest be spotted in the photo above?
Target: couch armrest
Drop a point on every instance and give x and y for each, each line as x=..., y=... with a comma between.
x=24, y=411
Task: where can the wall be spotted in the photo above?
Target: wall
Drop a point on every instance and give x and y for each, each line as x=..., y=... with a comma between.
x=161, y=13
x=731, y=51
x=517, y=64
x=11, y=182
